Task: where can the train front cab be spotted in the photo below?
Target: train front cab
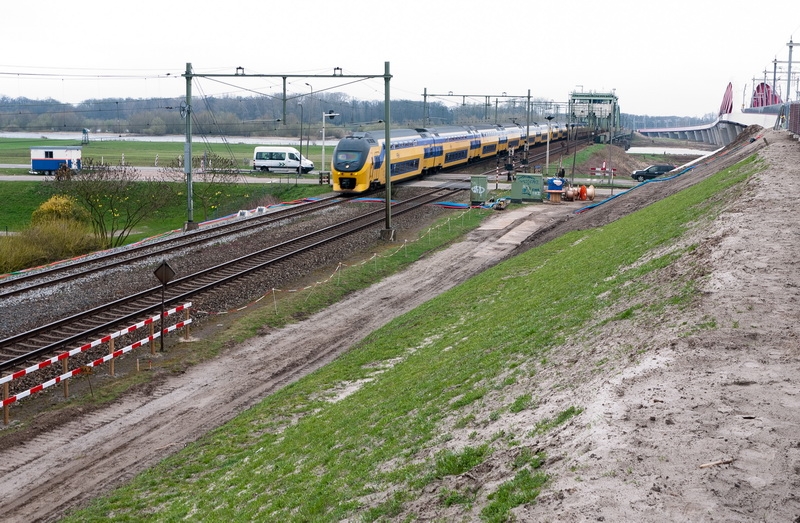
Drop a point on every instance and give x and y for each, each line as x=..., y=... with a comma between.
x=357, y=163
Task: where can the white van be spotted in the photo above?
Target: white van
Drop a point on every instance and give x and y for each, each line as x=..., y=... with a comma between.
x=272, y=158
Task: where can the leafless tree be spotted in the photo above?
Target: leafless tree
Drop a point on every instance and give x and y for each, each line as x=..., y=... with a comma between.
x=117, y=198
x=211, y=175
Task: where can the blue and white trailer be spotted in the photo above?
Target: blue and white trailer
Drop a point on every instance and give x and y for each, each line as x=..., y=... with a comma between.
x=47, y=160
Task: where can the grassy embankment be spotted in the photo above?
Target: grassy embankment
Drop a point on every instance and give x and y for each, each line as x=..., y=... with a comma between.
x=298, y=456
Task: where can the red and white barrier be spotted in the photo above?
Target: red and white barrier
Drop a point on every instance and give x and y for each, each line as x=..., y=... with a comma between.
x=603, y=171
x=95, y=343
x=95, y=363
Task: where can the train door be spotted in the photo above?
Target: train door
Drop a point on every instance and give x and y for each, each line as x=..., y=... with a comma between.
x=377, y=170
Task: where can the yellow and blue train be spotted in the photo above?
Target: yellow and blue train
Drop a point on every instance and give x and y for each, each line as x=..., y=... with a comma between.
x=358, y=159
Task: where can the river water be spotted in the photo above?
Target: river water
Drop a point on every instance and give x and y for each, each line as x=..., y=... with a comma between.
x=678, y=151
x=262, y=140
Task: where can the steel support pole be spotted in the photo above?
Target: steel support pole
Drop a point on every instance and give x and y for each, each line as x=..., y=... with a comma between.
x=789, y=73
x=527, y=126
x=187, y=152
x=388, y=232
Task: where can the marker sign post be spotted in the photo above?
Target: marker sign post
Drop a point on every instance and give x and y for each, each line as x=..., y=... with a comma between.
x=164, y=273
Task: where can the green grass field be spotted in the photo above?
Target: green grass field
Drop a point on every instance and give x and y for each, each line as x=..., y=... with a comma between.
x=33, y=247
x=20, y=199
x=299, y=457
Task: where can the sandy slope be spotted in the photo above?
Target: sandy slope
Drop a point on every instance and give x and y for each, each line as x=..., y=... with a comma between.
x=728, y=393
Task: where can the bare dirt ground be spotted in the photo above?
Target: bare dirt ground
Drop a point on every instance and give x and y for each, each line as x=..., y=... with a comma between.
x=636, y=453
x=702, y=427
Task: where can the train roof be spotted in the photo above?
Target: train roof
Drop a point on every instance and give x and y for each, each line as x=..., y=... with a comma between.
x=380, y=135
x=445, y=129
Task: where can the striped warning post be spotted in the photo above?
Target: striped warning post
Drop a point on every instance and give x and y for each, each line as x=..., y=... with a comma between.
x=95, y=343
x=95, y=363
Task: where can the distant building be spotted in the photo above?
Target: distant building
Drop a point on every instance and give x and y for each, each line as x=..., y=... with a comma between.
x=595, y=110
x=47, y=160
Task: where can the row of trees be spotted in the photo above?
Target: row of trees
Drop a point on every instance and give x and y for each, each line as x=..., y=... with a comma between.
x=254, y=116
x=258, y=116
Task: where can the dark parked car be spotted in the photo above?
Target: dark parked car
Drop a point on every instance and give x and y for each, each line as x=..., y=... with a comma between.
x=651, y=172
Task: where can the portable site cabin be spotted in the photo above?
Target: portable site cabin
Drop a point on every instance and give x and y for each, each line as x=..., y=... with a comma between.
x=47, y=160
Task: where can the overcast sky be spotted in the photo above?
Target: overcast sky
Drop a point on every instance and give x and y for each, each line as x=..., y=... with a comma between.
x=662, y=58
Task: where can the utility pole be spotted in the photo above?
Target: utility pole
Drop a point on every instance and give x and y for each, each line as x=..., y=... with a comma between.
x=330, y=114
x=789, y=74
x=388, y=233
x=187, y=152
x=425, y=110
x=775, y=62
x=549, y=119
x=527, y=127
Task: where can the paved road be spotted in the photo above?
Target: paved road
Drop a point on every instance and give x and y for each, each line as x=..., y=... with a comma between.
x=312, y=178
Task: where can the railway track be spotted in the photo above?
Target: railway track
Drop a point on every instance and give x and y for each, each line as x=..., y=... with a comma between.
x=42, y=342
x=536, y=156
x=24, y=283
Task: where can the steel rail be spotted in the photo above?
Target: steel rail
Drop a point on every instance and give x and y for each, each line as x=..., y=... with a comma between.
x=27, y=283
x=24, y=347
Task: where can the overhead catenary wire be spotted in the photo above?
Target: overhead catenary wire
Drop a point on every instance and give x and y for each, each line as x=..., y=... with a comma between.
x=204, y=136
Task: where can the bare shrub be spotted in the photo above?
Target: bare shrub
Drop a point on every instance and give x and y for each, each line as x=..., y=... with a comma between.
x=16, y=253
x=117, y=198
x=46, y=242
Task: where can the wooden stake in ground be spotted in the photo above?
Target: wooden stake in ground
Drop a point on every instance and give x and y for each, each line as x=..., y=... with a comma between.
x=86, y=370
x=715, y=463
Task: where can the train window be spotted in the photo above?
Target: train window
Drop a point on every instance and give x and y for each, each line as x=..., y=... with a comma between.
x=348, y=156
